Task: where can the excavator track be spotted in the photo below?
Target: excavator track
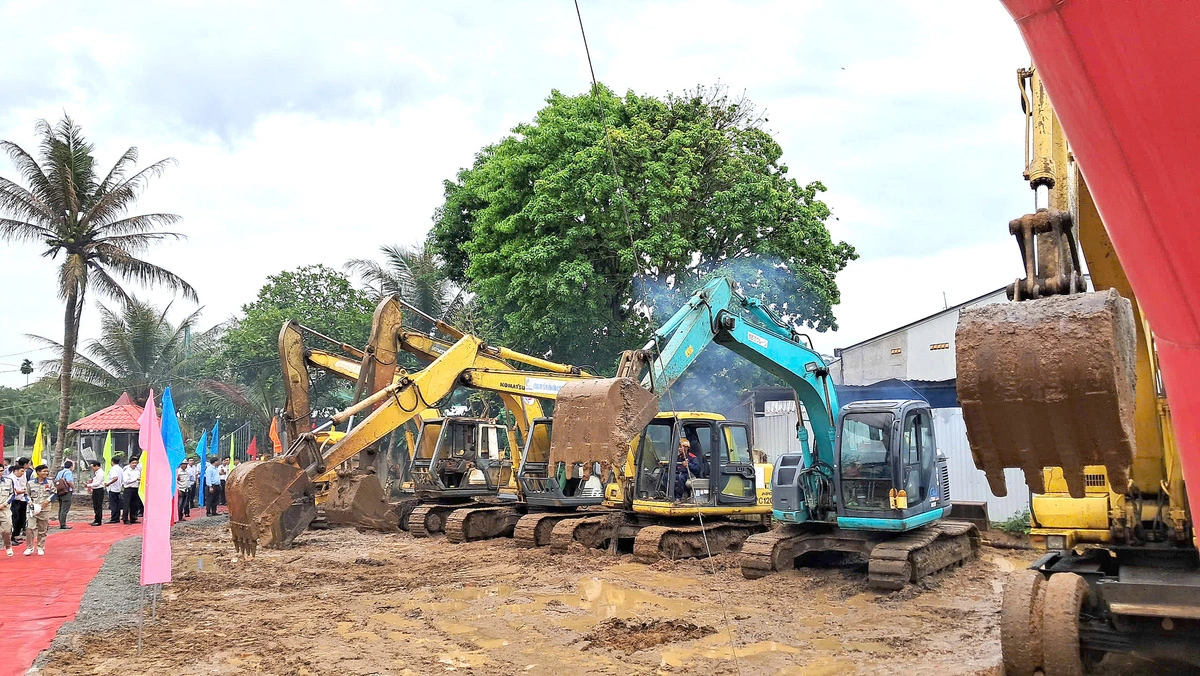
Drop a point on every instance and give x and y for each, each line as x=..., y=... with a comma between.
x=764, y=553
x=480, y=523
x=909, y=557
x=893, y=561
x=682, y=542
x=427, y=520
x=534, y=530
x=589, y=531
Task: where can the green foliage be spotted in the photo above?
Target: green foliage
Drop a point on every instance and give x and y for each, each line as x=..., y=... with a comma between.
x=1018, y=524
x=27, y=406
x=535, y=226
x=247, y=364
x=139, y=348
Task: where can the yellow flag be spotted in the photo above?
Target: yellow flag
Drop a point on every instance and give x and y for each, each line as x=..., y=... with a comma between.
x=37, y=447
x=142, y=484
x=231, y=450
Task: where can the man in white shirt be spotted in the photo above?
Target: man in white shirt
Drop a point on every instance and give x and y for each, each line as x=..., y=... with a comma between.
x=182, y=488
x=112, y=482
x=131, y=478
x=193, y=479
x=96, y=486
x=20, y=504
x=223, y=474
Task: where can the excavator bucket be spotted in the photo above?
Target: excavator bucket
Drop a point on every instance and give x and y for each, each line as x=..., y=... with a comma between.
x=357, y=499
x=270, y=503
x=1049, y=383
x=595, y=419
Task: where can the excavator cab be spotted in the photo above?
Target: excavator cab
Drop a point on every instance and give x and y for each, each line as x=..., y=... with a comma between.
x=558, y=484
x=888, y=474
x=458, y=457
x=721, y=473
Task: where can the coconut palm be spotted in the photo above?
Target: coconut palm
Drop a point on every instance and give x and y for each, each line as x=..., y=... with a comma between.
x=416, y=274
x=138, y=348
x=73, y=212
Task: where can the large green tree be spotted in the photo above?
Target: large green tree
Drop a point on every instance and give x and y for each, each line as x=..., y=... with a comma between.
x=74, y=213
x=537, y=226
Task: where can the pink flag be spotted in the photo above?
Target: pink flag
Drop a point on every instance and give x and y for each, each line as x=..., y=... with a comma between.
x=156, y=526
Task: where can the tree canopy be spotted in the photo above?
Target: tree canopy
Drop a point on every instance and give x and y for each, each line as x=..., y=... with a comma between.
x=536, y=227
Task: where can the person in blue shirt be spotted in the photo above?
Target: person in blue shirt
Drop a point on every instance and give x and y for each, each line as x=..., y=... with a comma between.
x=64, y=490
x=687, y=466
x=212, y=483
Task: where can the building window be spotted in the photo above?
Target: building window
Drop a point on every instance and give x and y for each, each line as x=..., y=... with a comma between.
x=895, y=350
x=940, y=346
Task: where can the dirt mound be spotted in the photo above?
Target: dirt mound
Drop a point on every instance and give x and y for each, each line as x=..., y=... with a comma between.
x=630, y=636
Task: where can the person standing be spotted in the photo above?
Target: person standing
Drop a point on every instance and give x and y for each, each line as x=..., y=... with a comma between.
x=183, y=490
x=96, y=486
x=223, y=474
x=131, y=479
x=39, y=491
x=6, y=498
x=212, y=478
x=113, y=484
x=64, y=492
x=193, y=479
x=20, y=506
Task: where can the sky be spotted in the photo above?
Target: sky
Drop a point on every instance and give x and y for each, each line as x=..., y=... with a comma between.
x=307, y=134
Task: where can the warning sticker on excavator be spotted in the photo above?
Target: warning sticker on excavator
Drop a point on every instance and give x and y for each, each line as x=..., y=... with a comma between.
x=543, y=385
x=756, y=339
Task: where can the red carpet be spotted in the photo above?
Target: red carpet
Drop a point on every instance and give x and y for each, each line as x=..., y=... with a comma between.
x=39, y=593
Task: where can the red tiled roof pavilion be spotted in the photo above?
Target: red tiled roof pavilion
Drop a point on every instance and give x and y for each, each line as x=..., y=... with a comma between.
x=122, y=415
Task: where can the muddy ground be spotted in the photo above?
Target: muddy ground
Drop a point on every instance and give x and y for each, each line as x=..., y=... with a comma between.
x=368, y=603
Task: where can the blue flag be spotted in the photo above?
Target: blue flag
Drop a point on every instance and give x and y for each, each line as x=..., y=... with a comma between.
x=202, y=451
x=172, y=436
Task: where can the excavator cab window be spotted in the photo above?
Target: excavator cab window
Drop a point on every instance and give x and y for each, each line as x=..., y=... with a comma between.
x=736, y=472
x=866, y=462
x=653, y=460
x=427, y=439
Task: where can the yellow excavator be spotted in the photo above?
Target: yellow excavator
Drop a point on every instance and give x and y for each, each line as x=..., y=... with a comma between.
x=1064, y=384
x=271, y=502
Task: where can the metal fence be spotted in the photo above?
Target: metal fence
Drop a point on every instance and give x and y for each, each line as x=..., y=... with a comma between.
x=968, y=483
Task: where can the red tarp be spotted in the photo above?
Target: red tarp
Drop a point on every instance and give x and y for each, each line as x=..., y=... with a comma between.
x=40, y=593
x=1124, y=78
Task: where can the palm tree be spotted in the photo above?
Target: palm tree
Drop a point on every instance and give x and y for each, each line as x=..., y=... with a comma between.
x=71, y=211
x=138, y=348
x=416, y=274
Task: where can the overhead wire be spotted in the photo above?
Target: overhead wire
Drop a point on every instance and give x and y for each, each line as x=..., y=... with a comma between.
x=642, y=288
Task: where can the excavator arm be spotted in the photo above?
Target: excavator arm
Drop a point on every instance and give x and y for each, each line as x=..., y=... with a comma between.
x=596, y=420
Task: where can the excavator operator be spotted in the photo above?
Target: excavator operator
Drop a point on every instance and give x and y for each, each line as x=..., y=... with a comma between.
x=687, y=466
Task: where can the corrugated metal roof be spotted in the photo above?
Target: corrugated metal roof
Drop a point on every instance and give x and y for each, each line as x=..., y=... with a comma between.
x=123, y=415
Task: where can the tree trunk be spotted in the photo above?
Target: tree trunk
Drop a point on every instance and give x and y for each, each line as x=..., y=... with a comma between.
x=70, y=338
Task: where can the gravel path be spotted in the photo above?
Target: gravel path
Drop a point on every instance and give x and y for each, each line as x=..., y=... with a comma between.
x=112, y=598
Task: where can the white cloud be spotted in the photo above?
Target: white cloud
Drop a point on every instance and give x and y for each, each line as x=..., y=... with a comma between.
x=309, y=132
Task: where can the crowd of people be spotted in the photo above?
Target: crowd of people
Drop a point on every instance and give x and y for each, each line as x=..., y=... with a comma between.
x=27, y=495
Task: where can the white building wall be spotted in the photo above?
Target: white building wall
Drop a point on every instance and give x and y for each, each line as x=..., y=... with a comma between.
x=968, y=483
x=775, y=429
x=927, y=359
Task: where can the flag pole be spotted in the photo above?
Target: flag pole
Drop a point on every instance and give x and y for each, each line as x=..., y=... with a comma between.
x=141, y=616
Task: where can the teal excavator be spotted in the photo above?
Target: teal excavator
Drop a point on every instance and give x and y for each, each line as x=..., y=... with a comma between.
x=870, y=481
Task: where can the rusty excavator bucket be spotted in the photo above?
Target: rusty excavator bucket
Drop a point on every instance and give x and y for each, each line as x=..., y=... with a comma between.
x=358, y=499
x=595, y=419
x=270, y=503
x=1049, y=383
